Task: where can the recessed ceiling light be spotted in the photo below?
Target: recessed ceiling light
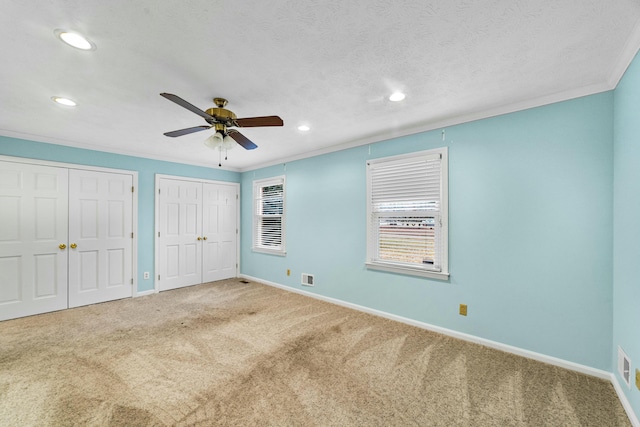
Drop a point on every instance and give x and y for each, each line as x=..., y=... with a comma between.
x=397, y=96
x=64, y=101
x=303, y=128
x=75, y=40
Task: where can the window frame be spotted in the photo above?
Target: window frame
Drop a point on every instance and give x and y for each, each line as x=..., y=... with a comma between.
x=257, y=185
x=372, y=236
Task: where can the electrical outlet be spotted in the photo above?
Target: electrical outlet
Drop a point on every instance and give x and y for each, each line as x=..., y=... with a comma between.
x=638, y=378
x=463, y=309
x=288, y=272
x=146, y=275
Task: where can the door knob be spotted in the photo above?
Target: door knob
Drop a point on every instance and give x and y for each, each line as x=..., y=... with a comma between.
x=62, y=246
x=199, y=238
x=204, y=238
x=73, y=246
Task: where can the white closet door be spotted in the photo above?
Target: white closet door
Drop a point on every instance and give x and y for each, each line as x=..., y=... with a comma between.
x=33, y=225
x=100, y=239
x=180, y=233
x=219, y=215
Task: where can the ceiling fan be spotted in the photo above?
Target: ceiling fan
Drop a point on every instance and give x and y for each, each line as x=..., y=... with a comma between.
x=221, y=119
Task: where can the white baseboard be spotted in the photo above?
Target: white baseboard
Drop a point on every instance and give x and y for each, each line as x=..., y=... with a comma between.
x=144, y=293
x=625, y=402
x=449, y=332
x=471, y=338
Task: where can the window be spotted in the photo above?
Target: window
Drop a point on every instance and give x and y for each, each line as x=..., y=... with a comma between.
x=268, y=215
x=407, y=216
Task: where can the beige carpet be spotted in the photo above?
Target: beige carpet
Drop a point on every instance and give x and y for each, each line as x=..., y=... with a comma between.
x=232, y=353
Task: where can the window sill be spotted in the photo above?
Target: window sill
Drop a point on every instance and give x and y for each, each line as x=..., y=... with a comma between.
x=412, y=271
x=269, y=251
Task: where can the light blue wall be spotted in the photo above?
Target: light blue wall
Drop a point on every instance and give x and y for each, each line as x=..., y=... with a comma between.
x=530, y=230
x=146, y=182
x=530, y=226
x=626, y=237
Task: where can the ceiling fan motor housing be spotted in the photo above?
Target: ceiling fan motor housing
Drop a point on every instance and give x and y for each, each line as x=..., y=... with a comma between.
x=221, y=115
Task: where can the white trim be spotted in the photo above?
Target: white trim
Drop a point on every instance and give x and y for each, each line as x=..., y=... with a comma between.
x=433, y=154
x=628, y=53
x=31, y=161
x=449, y=332
x=614, y=78
x=441, y=153
x=410, y=270
x=134, y=246
x=134, y=207
x=156, y=220
x=238, y=228
x=145, y=293
x=635, y=422
x=186, y=178
x=392, y=133
x=104, y=149
x=265, y=182
x=269, y=251
x=612, y=81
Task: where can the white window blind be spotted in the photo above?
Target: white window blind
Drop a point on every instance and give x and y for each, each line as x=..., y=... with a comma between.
x=407, y=212
x=268, y=219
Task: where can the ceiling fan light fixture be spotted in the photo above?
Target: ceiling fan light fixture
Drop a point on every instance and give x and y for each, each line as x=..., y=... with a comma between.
x=75, y=40
x=397, y=97
x=220, y=141
x=228, y=143
x=214, y=141
x=64, y=101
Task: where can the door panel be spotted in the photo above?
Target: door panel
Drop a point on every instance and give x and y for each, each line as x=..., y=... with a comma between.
x=33, y=223
x=180, y=217
x=219, y=219
x=10, y=288
x=43, y=286
x=115, y=267
x=192, y=261
x=100, y=213
x=87, y=263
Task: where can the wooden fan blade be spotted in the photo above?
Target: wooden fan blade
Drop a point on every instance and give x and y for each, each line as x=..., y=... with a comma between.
x=249, y=122
x=187, y=131
x=242, y=140
x=181, y=102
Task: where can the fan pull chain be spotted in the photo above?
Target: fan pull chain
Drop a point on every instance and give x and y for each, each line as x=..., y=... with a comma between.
x=219, y=158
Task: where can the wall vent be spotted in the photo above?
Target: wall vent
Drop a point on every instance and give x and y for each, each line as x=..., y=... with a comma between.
x=624, y=367
x=307, y=279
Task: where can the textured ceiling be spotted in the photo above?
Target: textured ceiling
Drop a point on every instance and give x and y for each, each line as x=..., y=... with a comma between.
x=330, y=64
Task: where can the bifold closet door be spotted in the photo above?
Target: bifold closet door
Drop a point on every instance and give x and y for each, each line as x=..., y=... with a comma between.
x=180, y=234
x=100, y=237
x=33, y=239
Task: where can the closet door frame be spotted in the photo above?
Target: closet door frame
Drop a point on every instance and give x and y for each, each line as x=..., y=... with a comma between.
x=134, y=208
x=156, y=285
